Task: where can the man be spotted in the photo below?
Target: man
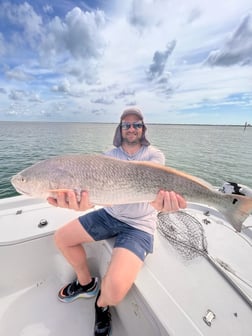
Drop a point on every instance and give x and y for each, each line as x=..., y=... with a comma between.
x=132, y=225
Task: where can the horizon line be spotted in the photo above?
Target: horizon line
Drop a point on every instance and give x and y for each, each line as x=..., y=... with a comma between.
x=104, y=122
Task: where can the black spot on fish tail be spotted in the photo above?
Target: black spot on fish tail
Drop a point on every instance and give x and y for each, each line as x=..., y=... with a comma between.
x=236, y=188
x=235, y=200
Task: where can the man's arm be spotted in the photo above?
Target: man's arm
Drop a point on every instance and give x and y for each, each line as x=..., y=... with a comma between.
x=166, y=201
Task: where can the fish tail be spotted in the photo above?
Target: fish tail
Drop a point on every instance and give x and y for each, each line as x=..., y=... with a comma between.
x=238, y=210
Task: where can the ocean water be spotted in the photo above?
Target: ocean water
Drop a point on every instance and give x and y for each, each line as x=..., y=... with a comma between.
x=213, y=153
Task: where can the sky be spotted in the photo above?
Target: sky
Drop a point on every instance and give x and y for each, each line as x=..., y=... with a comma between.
x=180, y=61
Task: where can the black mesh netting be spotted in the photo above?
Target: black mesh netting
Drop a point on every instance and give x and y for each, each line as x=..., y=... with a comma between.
x=184, y=232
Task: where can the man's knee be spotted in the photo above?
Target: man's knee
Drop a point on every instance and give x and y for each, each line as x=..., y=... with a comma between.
x=114, y=289
x=58, y=238
x=71, y=234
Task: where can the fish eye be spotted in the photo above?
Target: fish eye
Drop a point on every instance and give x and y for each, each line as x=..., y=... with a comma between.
x=22, y=179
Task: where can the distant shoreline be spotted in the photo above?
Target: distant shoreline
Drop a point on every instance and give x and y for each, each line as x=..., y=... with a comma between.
x=115, y=123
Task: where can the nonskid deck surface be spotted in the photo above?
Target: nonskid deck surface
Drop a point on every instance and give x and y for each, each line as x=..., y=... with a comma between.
x=33, y=271
x=36, y=311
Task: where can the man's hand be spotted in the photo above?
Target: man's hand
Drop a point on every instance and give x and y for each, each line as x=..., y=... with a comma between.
x=168, y=201
x=68, y=199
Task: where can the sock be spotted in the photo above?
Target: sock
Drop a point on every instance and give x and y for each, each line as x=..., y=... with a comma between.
x=103, y=309
x=89, y=285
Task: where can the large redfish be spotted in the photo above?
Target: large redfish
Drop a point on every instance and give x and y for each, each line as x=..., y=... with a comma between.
x=112, y=181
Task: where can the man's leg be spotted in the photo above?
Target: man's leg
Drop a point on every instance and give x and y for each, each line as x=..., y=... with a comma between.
x=69, y=239
x=120, y=276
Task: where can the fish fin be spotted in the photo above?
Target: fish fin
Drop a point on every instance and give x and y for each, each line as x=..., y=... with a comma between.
x=238, y=211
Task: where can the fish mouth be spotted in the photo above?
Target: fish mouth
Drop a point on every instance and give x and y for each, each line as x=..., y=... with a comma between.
x=20, y=191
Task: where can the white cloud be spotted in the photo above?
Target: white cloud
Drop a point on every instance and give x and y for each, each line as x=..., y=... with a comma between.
x=64, y=87
x=18, y=74
x=2, y=44
x=2, y=90
x=77, y=35
x=68, y=88
x=208, y=85
x=86, y=59
x=48, y=9
x=141, y=13
x=102, y=100
x=16, y=94
x=237, y=49
x=34, y=97
x=125, y=93
x=23, y=16
x=158, y=64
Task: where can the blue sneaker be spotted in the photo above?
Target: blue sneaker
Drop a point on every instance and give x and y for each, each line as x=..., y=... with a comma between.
x=74, y=291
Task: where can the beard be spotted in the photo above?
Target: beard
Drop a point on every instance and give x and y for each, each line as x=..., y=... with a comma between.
x=131, y=139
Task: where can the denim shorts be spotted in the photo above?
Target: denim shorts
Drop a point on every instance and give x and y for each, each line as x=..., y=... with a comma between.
x=100, y=225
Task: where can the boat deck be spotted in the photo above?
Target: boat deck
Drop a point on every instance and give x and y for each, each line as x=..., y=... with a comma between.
x=35, y=310
x=171, y=296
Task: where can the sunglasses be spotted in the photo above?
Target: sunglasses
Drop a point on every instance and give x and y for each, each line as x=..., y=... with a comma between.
x=127, y=125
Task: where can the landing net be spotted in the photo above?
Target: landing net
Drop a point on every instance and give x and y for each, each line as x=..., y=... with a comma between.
x=184, y=232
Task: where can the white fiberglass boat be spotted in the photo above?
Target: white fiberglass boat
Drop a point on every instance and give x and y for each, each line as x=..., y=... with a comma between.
x=209, y=293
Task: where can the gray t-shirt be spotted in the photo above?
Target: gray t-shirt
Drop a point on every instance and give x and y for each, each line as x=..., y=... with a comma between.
x=139, y=215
